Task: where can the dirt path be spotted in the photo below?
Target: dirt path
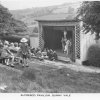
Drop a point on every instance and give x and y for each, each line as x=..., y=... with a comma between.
x=78, y=68
x=88, y=69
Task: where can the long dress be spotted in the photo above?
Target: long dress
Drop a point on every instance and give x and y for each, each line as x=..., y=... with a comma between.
x=67, y=48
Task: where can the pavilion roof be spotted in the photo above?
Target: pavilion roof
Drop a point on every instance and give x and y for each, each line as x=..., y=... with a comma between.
x=57, y=17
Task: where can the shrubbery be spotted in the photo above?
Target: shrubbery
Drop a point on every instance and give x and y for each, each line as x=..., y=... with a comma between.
x=35, y=30
x=13, y=39
x=93, y=55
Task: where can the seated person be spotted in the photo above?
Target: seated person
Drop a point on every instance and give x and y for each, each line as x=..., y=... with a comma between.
x=51, y=55
x=48, y=53
x=7, y=55
x=16, y=47
x=55, y=55
x=12, y=48
x=38, y=49
x=1, y=47
x=33, y=51
x=44, y=53
x=39, y=55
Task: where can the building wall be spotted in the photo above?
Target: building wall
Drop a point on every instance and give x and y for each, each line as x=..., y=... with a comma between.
x=90, y=49
x=34, y=41
x=86, y=41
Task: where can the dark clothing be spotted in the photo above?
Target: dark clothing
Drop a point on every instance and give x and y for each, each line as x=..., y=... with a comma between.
x=24, y=49
x=33, y=51
x=50, y=55
x=24, y=56
x=55, y=56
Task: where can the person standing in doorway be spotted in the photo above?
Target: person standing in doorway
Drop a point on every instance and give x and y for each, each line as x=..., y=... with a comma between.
x=63, y=44
x=67, y=47
x=24, y=48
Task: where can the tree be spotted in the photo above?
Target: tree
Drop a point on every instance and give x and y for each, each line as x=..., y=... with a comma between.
x=18, y=26
x=5, y=18
x=35, y=30
x=89, y=12
x=9, y=25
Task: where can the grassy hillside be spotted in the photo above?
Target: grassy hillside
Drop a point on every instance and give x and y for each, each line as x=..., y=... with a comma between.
x=28, y=15
x=8, y=24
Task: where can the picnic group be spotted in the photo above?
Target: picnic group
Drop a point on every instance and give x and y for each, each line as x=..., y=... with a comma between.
x=12, y=53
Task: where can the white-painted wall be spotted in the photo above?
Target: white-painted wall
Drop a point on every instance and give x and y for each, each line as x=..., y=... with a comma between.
x=86, y=41
x=34, y=42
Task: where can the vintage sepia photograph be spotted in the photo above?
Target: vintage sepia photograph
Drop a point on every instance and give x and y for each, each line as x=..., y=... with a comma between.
x=49, y=46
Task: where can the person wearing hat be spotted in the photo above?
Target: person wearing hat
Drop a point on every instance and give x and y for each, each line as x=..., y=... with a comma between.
x=24, y=48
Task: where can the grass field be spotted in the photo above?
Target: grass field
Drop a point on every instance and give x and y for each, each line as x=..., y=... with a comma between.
x=47, y=79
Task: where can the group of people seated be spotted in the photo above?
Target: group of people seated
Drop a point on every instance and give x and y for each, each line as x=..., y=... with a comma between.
x=44, y=54
x=10, y=53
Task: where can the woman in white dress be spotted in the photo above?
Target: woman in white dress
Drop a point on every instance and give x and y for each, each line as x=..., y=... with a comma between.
x=67, y=47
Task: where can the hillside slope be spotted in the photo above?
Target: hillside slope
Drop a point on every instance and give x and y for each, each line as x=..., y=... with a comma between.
x=8, y=24
x=28, y=15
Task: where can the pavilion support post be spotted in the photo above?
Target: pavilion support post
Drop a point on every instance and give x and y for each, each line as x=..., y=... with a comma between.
x=41, y=40
x=77, y=43
x=73, y=44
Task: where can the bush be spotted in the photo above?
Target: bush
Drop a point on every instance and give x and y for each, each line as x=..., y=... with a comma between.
x=93, y=55
x=35, y=30
x=13, y=39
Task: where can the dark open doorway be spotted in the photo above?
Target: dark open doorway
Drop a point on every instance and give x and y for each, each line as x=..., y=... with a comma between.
x=52, y=38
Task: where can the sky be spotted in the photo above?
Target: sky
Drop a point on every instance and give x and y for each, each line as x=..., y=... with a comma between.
x=24, y=4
